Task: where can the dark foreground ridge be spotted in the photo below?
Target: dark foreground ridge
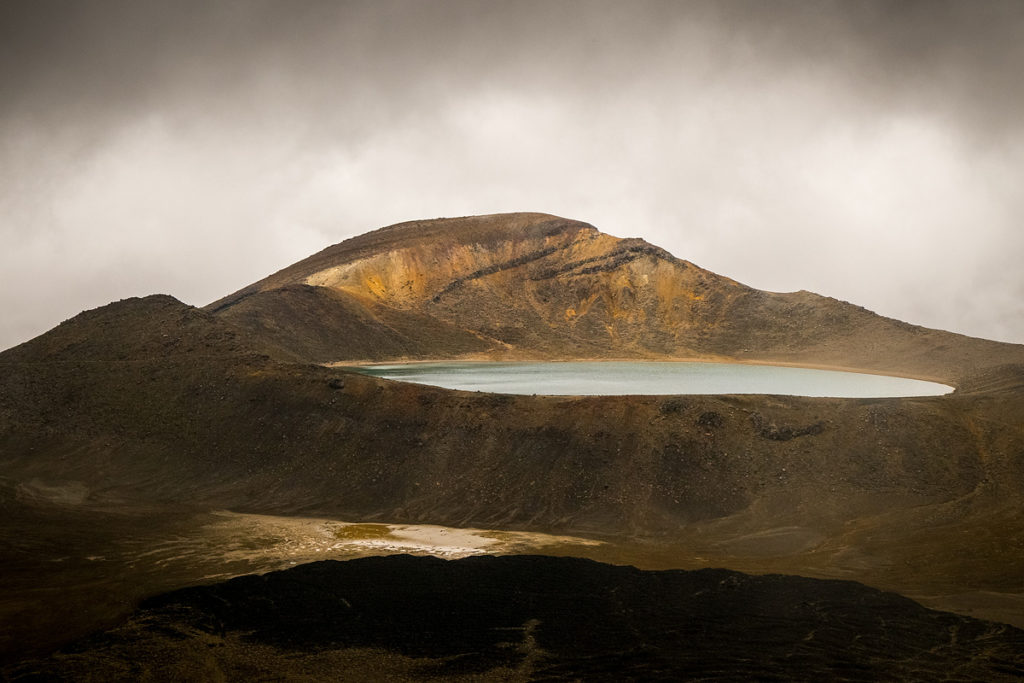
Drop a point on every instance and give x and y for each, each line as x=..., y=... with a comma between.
x=536, y=618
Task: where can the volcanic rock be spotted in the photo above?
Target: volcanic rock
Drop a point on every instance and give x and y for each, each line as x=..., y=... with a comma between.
x=535, y=618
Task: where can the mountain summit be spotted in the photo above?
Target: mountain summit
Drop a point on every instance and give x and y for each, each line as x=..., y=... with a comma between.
x=531, y=285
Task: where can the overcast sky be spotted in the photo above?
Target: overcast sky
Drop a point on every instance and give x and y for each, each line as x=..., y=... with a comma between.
x=870, y=151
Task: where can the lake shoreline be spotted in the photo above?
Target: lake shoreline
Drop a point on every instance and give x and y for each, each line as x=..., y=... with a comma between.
x=479, y=358
x=657, y=378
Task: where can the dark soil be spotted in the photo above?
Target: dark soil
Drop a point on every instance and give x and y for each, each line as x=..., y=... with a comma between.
x=537, y=618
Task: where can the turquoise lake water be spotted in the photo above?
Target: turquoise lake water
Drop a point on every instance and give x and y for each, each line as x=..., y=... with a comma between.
x=661, y=378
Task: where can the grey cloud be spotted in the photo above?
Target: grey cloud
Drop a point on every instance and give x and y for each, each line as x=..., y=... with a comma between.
x=191, y=147
x=69, y=62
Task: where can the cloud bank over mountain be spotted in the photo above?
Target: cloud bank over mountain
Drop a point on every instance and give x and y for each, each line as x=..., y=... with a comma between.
x=868, y=151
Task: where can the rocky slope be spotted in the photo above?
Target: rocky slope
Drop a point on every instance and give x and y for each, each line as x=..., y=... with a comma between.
x=539, y=286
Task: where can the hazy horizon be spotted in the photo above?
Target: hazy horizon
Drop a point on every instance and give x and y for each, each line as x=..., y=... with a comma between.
x=868, y=151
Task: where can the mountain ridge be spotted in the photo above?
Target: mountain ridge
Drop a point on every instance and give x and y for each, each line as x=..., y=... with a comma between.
x=534, y=286
x=484, y=229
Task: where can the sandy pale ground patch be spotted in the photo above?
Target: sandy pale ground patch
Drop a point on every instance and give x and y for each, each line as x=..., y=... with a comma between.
x=270, y=542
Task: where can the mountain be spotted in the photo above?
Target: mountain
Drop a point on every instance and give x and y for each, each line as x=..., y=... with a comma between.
x=124, y=427
x=516, y=286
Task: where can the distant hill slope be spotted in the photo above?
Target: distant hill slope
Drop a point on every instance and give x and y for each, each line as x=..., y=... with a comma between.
x=539, y=286
x=534, y=618
x=147, y=328
x=152, y=400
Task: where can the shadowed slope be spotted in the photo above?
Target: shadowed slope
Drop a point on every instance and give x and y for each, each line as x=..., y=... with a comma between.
x=870, y=488
x=158, y=377
x=322, y=324
x=152, y=327
x=538, y=618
